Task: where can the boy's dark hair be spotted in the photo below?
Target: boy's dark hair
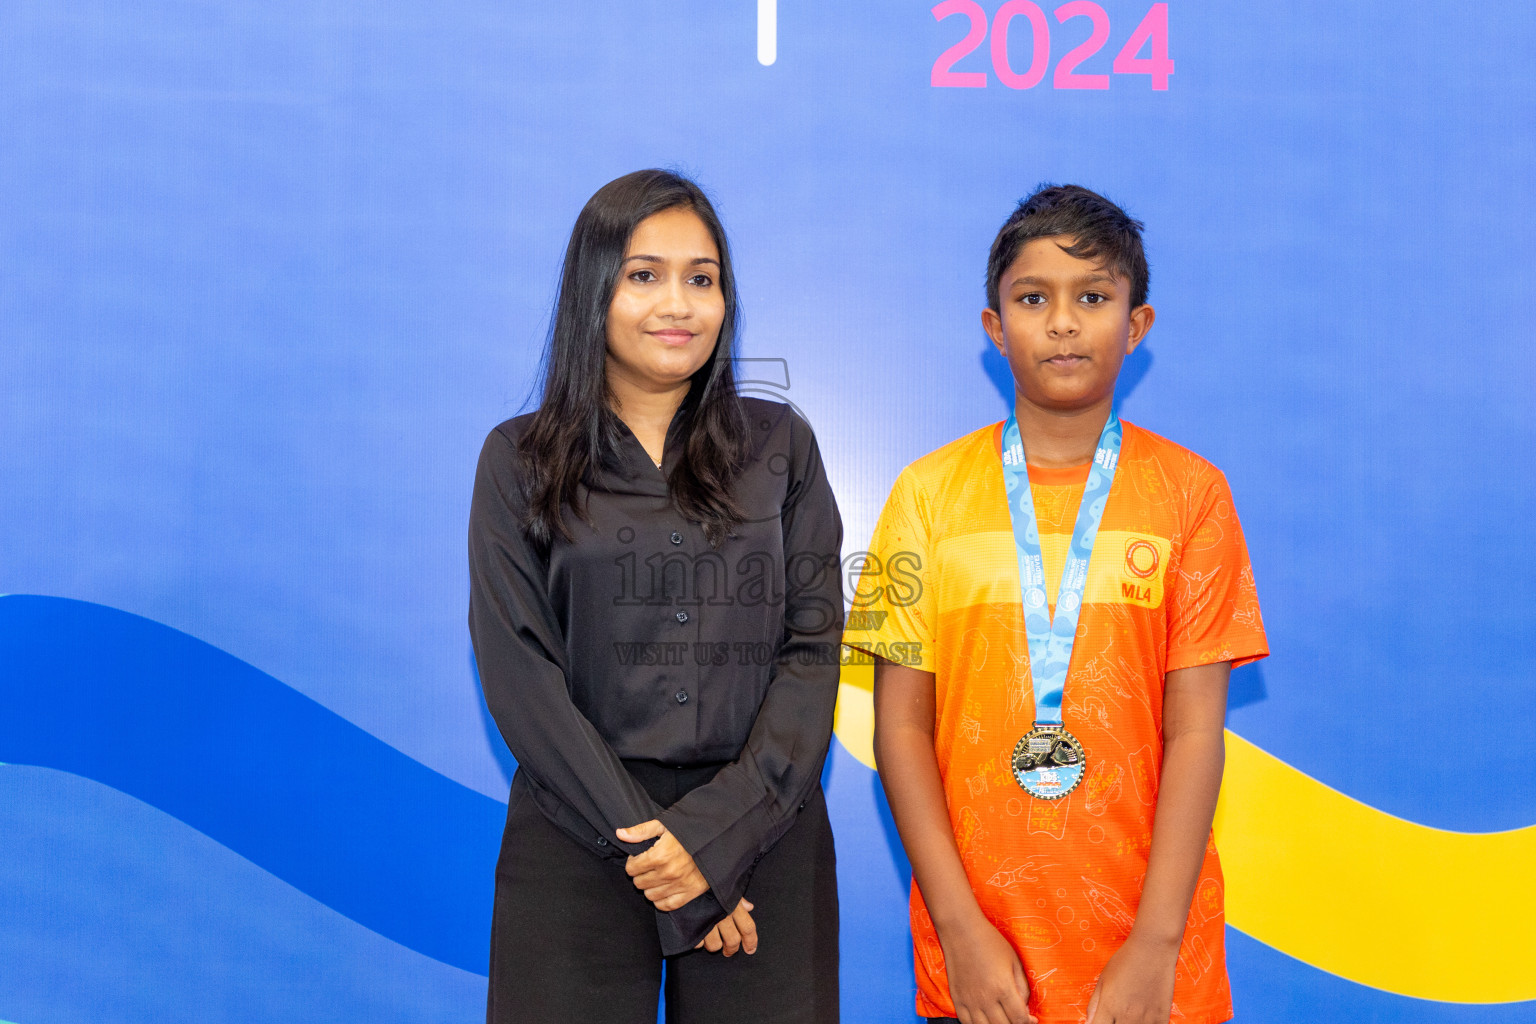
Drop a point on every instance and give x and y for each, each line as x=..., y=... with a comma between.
x=1103, y=234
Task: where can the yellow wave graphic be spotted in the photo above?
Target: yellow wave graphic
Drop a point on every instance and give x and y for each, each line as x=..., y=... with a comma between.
x=1342, y=886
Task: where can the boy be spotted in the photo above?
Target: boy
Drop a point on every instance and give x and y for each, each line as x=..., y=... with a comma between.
x=1052, y=713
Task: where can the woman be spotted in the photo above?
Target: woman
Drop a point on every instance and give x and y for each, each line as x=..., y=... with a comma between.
x=656, y=610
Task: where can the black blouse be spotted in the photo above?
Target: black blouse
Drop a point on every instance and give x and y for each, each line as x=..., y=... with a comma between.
x=640, y=641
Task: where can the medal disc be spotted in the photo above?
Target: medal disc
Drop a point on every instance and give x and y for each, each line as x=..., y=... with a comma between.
x=1049, y=762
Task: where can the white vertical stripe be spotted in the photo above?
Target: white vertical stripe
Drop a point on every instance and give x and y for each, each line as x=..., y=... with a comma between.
x=767, y=31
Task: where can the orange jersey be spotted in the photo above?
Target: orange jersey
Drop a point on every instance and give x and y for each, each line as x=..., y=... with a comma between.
x=1169, y=586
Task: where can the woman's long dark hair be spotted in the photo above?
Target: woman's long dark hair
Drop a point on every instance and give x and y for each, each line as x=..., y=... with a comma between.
x=575, y=431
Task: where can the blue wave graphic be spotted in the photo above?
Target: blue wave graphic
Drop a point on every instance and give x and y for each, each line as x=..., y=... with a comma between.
x=374, y=835
x=113, y=912
x=254, y=765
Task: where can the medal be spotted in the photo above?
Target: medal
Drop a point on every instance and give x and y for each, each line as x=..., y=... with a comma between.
x=1048, y=761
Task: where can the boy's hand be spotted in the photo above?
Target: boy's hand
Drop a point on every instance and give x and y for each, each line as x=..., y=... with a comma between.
x=736, y=932
x=666, y=872
x=986, y=980
x=1136, y=986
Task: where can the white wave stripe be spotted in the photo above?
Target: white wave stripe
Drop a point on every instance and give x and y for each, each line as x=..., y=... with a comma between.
x=767, y=31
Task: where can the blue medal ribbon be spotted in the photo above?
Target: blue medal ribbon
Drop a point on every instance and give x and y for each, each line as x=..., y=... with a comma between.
x=1051, y=637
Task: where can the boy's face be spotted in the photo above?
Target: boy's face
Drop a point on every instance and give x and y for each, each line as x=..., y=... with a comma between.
x=1065, y=325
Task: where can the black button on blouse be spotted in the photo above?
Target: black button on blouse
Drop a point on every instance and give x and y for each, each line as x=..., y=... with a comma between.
x=573, y=654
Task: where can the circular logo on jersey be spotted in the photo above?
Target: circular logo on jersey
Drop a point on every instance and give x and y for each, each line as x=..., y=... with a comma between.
x=1141, y=559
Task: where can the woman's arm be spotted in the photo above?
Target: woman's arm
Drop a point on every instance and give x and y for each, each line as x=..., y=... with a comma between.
x=986, y=980
x=520, y=654
x=520, y=657
x=1137, y=984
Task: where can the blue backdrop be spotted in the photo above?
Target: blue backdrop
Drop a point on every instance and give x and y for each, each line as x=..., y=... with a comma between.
x=271, y=271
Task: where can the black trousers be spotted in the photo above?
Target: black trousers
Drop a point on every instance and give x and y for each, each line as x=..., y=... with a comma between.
x=573, y=941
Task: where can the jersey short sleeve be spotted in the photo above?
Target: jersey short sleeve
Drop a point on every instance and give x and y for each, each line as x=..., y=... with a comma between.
x=1213, y=606
x=892, y=614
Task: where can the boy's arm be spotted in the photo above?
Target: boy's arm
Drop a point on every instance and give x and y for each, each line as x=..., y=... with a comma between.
x=1137, y=984
x=986, y=980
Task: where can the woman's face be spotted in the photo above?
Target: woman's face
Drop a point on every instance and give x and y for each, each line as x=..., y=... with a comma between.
x=667, y=308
